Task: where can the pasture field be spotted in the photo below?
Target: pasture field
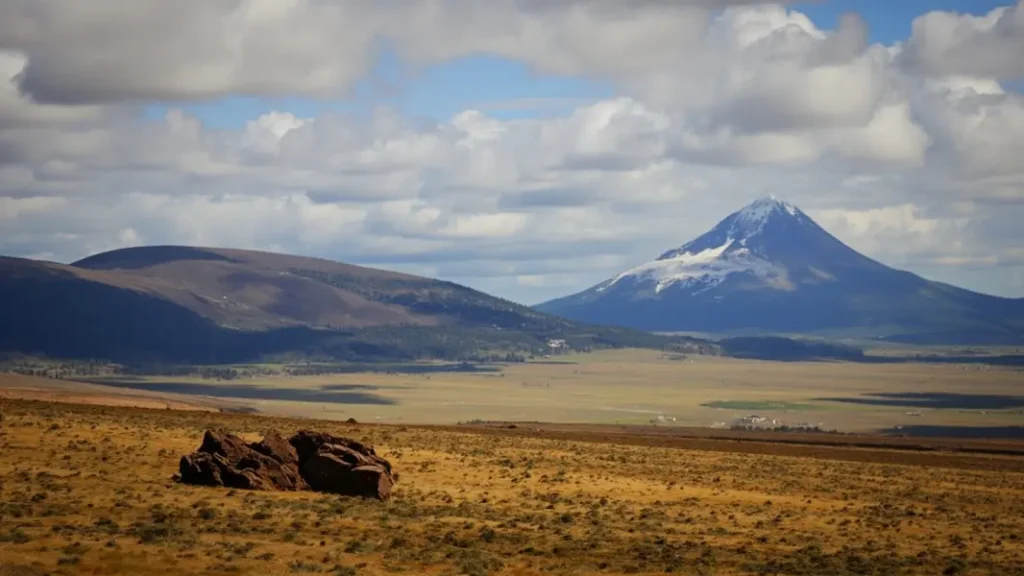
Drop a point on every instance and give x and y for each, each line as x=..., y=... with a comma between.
x=636, y=387
x=87, y=489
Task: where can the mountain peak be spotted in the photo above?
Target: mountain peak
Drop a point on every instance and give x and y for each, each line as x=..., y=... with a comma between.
x=769, y=267
x=756, y=242
x=760, y=210
x=743, y=230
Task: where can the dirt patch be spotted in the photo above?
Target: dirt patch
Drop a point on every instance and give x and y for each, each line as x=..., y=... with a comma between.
x=935, y=452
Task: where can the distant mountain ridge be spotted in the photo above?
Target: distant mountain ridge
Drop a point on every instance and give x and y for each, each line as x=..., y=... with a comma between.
x=769, y=268
x=210, y=305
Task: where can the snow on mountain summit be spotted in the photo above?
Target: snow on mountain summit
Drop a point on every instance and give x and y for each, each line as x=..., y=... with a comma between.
x=755, y=215
x=744, y=227
x=722, y=252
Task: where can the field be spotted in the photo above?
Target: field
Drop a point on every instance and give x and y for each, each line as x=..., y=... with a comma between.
x=635, y=387
x=34, y=388
x=87, y=489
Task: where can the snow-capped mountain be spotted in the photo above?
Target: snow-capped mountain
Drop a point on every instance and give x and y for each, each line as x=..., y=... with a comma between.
x=735, y=246
x=770, y=268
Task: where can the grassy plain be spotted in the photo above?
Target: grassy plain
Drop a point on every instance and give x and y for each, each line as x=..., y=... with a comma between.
x=18, y=386
x=636, y=386
x=87, y=490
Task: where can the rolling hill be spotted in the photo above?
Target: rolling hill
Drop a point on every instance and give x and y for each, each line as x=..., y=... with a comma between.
x=769, y=268
x=208, y=305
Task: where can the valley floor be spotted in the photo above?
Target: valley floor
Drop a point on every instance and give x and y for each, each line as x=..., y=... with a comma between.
x=613, y=387
x=87, y=489
x=17, y=386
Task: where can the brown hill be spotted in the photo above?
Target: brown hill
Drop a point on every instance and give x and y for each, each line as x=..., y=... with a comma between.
x=252, y=290
x=206, y=305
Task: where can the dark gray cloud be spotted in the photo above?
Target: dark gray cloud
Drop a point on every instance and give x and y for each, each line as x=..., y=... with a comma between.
x=109, y=51
x=944, y=43
x=185, y=50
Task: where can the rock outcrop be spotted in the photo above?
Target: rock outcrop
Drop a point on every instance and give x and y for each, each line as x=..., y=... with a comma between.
x=308, y=460
x=342, y=465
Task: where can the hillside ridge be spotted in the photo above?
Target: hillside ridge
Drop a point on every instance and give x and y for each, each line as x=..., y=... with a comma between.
x=211, y=305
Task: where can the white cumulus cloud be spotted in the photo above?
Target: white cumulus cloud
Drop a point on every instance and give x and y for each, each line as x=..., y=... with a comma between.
x=910, y=152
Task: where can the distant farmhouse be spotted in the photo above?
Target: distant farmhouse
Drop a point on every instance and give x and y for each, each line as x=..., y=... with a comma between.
x=558, y=344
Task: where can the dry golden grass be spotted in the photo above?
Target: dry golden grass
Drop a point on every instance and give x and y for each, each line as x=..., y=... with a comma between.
x=87, y=490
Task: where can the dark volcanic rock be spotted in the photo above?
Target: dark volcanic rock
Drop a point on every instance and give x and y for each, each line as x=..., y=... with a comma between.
x=307, y=443
x=342, y=465
x=277, y=447
x=227, y=445
x=309, y=459
x=199, y=468
x=226, y=460
x=327, y=472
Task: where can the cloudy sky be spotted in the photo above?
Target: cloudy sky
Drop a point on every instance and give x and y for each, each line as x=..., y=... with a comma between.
x=529, y=148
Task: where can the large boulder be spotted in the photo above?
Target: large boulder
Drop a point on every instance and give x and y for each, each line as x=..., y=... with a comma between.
x=342, y=465
x=307, y=443
x=308, y=460
x=226, y=460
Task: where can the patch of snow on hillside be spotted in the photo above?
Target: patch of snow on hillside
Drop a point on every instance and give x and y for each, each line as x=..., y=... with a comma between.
x=705, y=269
